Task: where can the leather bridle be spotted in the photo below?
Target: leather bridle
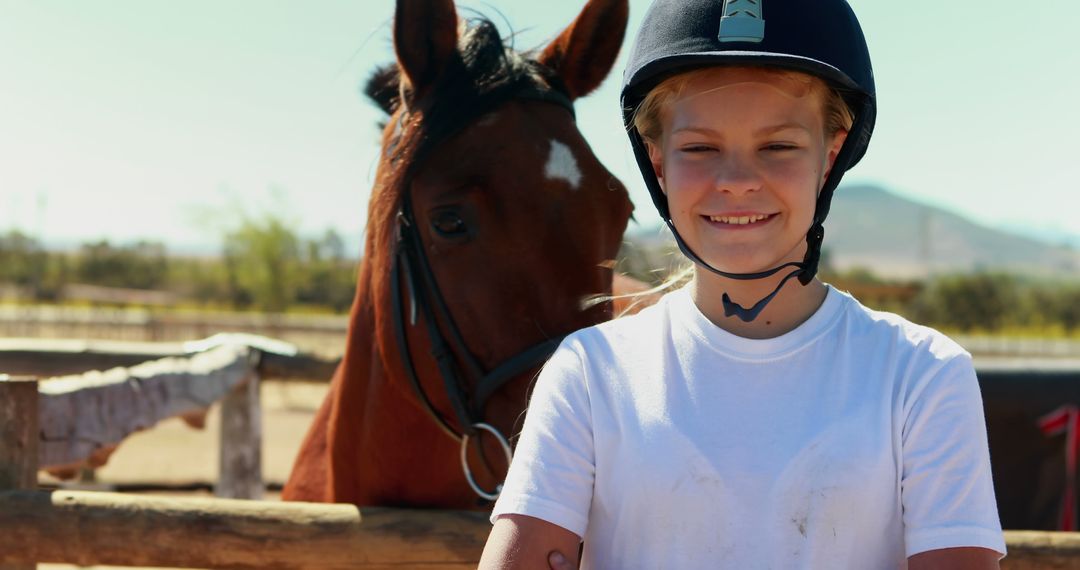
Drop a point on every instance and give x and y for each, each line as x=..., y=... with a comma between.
x=412, y=266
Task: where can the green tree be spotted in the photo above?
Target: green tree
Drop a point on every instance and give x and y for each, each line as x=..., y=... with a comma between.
x=22, y=260
x=142, y=265
x=1069, y=309
x=983, y=301
x=262, y=260
x=329, y=278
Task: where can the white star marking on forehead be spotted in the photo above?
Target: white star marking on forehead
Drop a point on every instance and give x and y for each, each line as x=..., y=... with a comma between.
x=561, y=165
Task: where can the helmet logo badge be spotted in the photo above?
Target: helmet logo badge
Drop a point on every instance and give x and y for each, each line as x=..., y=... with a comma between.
x=742, y=21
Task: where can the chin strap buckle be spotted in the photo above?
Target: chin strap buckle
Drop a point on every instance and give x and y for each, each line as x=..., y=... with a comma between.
x=747, y=315
x=814, y=238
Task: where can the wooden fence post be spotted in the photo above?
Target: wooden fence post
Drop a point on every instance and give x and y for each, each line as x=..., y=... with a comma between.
x=240, y=459
x=18, y=439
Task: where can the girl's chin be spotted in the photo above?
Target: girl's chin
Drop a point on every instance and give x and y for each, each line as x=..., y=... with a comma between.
x=728, y=264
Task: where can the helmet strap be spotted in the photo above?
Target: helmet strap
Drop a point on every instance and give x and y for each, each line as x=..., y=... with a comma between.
x=747, y=315
x=805, y=270
x=814, y=239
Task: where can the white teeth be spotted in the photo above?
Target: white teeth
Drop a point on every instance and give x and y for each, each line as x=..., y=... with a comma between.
x=738, y=220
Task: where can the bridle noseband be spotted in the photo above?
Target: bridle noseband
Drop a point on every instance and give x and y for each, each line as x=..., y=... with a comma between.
x=411, y=265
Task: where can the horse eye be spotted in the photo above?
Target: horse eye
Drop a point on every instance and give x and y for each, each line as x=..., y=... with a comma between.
x=449, y=224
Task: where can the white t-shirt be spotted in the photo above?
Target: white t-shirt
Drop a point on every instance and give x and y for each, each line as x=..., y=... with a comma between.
x=854, y=441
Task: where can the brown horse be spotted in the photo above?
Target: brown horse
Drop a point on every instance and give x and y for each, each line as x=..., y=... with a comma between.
x=489, y=223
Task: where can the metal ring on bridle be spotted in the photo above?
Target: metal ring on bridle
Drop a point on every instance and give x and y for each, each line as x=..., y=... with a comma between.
x=465, y=463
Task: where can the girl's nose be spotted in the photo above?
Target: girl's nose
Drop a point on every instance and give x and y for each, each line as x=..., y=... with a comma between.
x=736, y=175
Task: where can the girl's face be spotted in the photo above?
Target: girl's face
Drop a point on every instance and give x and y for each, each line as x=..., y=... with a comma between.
x=742, y=157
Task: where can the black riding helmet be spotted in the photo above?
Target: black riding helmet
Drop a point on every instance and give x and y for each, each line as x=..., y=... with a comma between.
x=817, y=37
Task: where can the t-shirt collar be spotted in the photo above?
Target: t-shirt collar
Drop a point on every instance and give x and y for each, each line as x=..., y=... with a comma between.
x=682, y=305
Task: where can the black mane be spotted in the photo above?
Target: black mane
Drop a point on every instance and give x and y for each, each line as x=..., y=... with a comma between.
x=485, y=65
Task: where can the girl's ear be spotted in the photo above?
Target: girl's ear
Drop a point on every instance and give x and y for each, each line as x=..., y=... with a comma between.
x=656, y=157
x=832, y=151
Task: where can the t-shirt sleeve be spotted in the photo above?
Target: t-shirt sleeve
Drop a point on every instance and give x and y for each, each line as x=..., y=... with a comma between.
x=551, y=474
x=947, y=489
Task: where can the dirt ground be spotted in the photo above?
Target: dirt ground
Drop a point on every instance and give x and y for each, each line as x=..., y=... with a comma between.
x=174, y=453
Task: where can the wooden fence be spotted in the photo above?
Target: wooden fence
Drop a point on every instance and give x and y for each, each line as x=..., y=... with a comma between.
x=153, y=325
x=54, y=357
x=86, y=414
x=90, y=528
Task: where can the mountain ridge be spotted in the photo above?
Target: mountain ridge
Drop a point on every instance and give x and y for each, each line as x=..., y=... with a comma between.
x=870, y=227
x=895, y=236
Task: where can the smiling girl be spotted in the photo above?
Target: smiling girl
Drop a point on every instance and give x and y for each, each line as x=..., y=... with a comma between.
x=757, y=417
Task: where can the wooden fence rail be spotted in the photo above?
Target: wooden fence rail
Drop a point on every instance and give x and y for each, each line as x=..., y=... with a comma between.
x=56, y=357
x=80, y=414
x=88, y=528
x=154, y=325
x=100, y=392
x=157, y=325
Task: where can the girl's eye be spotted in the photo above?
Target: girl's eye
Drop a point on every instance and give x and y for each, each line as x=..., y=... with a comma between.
x=696, y=148
x=780, y=147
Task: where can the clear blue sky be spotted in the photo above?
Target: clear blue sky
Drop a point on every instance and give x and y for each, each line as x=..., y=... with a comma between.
x=122, y=119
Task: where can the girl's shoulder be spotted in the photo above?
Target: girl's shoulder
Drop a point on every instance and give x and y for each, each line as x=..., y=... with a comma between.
x=882, y=328
x=624, y=332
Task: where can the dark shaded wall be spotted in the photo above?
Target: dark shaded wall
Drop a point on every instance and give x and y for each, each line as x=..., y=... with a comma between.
x=1028, y=465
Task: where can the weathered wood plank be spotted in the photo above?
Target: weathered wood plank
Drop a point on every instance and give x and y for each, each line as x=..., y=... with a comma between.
x=56, y=357
x=297, y=368
x=18, y=442
x=83, y=413
x=1040, y=550
x=18, y=432
x=85, y=528
x=240, y=443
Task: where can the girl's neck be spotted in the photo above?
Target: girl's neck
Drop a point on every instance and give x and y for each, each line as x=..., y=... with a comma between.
x=791, y=307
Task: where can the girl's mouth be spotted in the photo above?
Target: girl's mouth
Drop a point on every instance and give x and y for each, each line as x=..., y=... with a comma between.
x=741, y=222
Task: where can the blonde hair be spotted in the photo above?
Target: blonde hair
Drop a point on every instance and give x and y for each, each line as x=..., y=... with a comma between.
x=648, y=118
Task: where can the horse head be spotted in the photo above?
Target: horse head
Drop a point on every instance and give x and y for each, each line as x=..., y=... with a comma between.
x=490, y=222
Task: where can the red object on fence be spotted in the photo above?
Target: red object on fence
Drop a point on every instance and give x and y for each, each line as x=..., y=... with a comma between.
x=1066, y=419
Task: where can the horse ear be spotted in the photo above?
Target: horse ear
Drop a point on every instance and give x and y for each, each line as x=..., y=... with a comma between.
x=584, y=53
x=383, y=87
x=425, y=40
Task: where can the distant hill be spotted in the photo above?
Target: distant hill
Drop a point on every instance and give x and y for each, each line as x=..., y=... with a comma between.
x=893, y=236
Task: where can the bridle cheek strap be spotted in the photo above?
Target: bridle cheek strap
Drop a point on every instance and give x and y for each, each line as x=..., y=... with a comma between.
x=449, y=350
x=425, y=298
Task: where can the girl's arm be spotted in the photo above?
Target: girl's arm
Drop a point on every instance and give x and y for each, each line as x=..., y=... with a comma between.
x=947, y=490
x=519, y=541
x=955, y=559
